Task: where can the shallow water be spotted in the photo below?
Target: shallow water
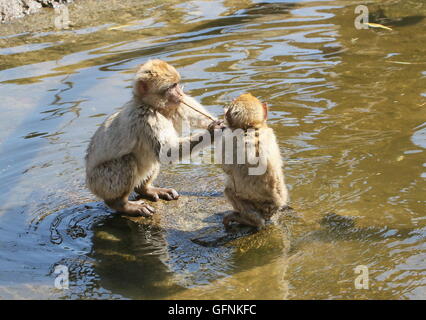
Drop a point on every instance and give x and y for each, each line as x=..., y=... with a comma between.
x=348, y=107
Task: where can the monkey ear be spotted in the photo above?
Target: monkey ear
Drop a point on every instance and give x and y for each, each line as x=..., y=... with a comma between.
x=265, y=110
x=142, y=88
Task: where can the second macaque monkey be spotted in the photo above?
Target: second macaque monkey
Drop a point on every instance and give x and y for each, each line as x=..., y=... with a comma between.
x=254, y=195
x=124, y=153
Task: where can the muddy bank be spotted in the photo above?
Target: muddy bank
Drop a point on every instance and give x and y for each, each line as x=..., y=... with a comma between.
x=14, y=9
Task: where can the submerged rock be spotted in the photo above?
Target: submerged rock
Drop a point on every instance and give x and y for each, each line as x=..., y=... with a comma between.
x=217, y=235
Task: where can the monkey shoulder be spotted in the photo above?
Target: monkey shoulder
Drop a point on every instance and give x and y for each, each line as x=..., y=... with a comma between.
x=102, y=136
x=129, y=130
x=148, y=122
x=155, y=131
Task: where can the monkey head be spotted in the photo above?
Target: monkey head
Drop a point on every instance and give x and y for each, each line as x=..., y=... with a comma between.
x=157, y=84
x=246, y=112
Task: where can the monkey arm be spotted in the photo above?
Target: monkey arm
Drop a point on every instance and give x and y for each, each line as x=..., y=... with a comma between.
x=278, y=193
x=195, y=119
x=180, y=148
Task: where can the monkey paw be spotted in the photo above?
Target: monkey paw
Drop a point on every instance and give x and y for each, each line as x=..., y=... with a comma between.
x=216, y=125
x=229, y=218
x=138, y=208
x=155, y=194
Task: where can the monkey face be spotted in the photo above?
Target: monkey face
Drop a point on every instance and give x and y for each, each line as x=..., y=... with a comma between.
x=174, y=93
x=157, y=84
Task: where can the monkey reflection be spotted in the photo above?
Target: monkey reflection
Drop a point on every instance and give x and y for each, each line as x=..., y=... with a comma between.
x=146, y=261
x=131, y=258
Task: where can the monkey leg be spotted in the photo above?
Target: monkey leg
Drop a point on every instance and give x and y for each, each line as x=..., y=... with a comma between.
x=246, y=212
x=113, y=181
x=146, y=190
x=232, y=198
x=252, y=218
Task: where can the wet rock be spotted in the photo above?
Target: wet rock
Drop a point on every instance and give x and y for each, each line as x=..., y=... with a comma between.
x=13, y=9
x=397, y=13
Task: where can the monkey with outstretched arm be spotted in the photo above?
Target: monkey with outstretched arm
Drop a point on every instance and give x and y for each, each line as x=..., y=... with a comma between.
x=124, y=153
x=255, y=192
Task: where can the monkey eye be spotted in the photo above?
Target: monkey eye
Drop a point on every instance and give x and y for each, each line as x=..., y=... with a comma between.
x=174, y=85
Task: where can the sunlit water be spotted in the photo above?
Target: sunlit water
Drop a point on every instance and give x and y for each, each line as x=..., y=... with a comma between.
x=348, y=107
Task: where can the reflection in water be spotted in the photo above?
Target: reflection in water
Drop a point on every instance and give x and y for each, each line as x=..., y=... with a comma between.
x=145, y=261
x=132, y=259
x=348, y=108
x=119, y=257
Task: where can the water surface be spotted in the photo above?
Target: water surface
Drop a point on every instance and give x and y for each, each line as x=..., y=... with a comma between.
x=348, y=107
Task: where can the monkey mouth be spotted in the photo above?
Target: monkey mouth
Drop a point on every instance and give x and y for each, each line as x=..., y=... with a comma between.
x=175, y=100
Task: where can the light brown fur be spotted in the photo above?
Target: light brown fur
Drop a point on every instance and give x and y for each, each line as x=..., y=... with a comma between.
x=124, y=153
x=255, y=198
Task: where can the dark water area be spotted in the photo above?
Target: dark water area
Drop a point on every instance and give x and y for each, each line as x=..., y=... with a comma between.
x=348, y=107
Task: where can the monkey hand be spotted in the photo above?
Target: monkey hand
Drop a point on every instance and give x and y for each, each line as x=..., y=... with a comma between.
x=216, y=125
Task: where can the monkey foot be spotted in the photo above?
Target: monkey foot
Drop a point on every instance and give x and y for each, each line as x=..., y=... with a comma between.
x=133, y=208
x=237, y=218
x=155, y=194
x=139, y=208
x=229, y=218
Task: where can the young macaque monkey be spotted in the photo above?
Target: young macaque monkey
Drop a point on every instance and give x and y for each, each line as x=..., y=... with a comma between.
x=255, y=197
x=124, y=153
